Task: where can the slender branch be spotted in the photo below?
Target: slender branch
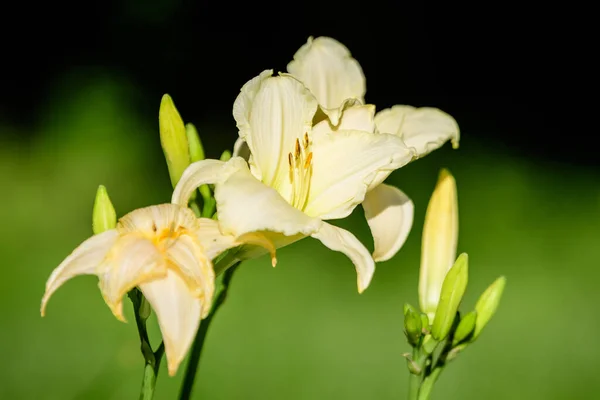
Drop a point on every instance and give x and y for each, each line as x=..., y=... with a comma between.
x=196, y=352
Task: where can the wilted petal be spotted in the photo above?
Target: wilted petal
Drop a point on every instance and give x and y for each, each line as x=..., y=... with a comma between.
x=246, y=205
x=215, y=243
x=345, y=164
x=271, y=113
x=84, y=260
x=425, y=129
x=201, y=173
x=359, y=118
x=327, y=68
x=178, y=314
x=389, y=213
x=341, y=240
x=187, y=255
x=131, y=261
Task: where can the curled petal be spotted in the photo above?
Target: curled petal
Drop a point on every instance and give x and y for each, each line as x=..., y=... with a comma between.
x=341, y=240
x=131, y=261
x=389, y=213
x=178, y=313
x=84, y=260
x=344, y=166
x=328, y=69
x=246, y=205
x=359, y=118
x=241, y=149
x=425, y=129
x=271, y=114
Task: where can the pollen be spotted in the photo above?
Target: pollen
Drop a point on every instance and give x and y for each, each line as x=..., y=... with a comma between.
x=300, y=163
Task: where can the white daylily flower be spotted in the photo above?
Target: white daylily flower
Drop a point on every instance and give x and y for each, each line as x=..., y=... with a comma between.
x=298, y=176
x=327, y=68
x=165, y=251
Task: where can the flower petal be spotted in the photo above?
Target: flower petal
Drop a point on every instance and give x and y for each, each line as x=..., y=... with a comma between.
x=132, y=260
x=327, y=68
x=389, y=213
x=345, y=164
x=187, y=255
x=425, y=129
x=84, y=260
x=201, y=173
x=246, y=205
x=215, y=243
x=341, y=240
x=178, y=314
x=359, y=118
x=241, y=149
x=271, y=113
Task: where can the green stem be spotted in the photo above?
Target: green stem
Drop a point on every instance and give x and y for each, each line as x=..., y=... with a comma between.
x=196, y=352
x=414, y=383
x=427, y=385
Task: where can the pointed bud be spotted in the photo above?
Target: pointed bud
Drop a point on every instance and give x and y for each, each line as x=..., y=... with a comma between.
x=173, y=138
x=453, y=290
x=440, y=237
x=487, y=304
x=225, y=156
x=412, y=325
x=465, y=328
x=104, y=216
x=429, y=344
x=194, y=143
x=425, y=322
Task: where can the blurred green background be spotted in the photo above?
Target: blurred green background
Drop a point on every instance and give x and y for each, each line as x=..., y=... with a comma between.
x=299, y=331
x=80, y=108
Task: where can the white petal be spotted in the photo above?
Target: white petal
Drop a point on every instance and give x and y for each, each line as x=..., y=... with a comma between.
x=425, y=129
x=345, y=164
x=389, y=213
x=178, y=314
x=187, y=255
x=132, y=260
x=240, y=149
x=246, y=205
x=359, y=118
x=341, y=240
x=84, y=260
x=215, y=242
x=271, y=114
x=327, y=68
x=201, y=173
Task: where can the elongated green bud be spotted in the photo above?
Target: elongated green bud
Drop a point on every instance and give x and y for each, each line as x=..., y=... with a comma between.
x=173, y=138
x=453, y=291
x=104, y=216
x=465, y=328
x=488, y=304
x=225, y=156
x=412, y=325
x=194, y=143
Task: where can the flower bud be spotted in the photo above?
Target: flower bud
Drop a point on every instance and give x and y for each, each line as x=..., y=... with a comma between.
x=440, y=237
x=465, y=328
x=173, y=138
x=225, y=156
x=487, y=304
x=453, y=290
x=104, y=216
x=412, y=325
x=194, y=143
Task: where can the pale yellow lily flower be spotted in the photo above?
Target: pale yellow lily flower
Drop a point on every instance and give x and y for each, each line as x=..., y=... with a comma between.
x=298, y=176
x=440, y=238
x=165, y=251
x=327, y=68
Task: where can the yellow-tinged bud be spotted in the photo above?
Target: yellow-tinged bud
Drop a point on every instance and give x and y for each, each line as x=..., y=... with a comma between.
x=453, y=290
x=488, y=304
x=104, y=216
x=173, y=138
x=440, y=237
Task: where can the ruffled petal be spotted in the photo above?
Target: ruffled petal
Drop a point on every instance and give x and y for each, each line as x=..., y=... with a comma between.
x=327, y=68
x=344, y=166
x=359, y=118
x=178, y=313
x=271, y=114
x=389, y=213
x=341, y=240
x=425, y=129
x=84, y=260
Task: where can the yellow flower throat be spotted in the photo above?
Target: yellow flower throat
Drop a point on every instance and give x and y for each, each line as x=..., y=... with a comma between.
x=300, y=162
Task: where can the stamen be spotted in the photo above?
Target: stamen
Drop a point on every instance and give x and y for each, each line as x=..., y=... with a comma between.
x=297, y=148
x=305, y=143
x=308, y=161
x=300, y=162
